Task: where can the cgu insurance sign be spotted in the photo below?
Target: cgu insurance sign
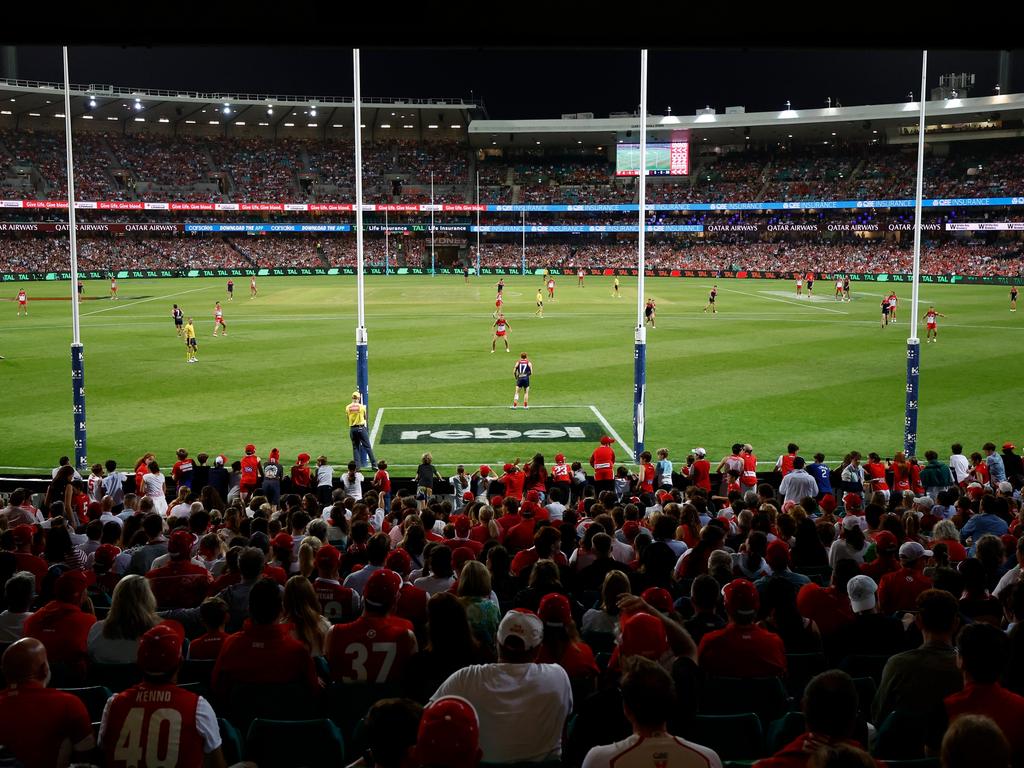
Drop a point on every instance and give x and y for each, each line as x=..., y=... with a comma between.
x=408, y=434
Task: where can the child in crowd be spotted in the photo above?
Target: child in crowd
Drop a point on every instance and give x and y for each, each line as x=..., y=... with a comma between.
x=382, y=483
x=324, y=480
x=300, y=475
x=213, y=613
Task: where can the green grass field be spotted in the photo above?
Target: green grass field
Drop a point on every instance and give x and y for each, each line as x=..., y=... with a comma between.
x=768, y=368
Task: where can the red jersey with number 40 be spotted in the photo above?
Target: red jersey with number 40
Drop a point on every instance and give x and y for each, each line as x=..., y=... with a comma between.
x=153, y=725
x=371, y=649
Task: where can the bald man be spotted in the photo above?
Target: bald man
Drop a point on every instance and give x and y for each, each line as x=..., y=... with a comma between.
x=42, y=727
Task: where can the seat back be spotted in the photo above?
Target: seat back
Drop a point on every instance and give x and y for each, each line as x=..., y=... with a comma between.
x=901, y=736
x=858, y=665
x=287, y=701
x=733, y=737
x=294, y=743
x=800, y=668
x=231, y=742
x=766, y=696
x=781, y=732
x=348, y=703
x=94, y=698
x=116, y=677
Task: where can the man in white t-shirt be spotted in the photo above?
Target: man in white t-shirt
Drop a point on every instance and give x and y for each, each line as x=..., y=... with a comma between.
x=522, y=705
x=647, y=696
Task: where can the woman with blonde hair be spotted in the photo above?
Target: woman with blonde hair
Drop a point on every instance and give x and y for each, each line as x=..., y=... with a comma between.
x=945, y=532
x=481, y=609
x=302, y=613
x=115, y=640
x=307, y=556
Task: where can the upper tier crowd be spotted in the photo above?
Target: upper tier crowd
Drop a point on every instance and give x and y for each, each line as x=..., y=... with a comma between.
x=141, y=166
x=571, y=613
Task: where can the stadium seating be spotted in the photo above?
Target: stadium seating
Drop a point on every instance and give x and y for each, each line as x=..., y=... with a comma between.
x=294, y=743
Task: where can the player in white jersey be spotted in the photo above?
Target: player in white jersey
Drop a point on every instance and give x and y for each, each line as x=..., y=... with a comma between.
x=113, y=288
x=799, y=285
x=839, y=289
x=931, y=325
x=500, y=332
x=22, y=302
x=252, y=287
x=218, y=320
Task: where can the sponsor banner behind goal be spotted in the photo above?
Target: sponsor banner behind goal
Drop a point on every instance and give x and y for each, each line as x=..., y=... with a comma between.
x=412, y=434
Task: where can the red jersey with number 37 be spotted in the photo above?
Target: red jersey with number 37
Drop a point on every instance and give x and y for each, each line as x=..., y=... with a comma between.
x=371, y=649
x=153, y=725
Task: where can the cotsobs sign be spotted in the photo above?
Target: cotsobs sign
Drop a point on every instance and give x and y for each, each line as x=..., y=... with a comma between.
x=405, y=434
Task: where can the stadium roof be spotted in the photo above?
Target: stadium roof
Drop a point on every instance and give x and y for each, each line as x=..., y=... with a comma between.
x=31, y=99
x=880, y=122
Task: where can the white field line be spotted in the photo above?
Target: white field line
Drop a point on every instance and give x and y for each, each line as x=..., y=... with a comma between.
x=611, y=430
x=376, y=426
x=143, y=301
x=808, y=305
x=469, y=407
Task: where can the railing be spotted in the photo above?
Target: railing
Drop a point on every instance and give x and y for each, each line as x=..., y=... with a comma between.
x=122, y=92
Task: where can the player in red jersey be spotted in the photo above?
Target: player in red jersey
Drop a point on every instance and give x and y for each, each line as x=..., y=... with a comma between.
x=931, y=325
x=501, y=327
x=712, y=296
x=810, y=284
x=498, y=303
x=522, y=372
x=22, y=302
x=156, y=722
x=231, y=289
x=375, y=647
x=1013, y=298
x=551, y=288
x=252, y=287
x=218, y=320
x=649, y=313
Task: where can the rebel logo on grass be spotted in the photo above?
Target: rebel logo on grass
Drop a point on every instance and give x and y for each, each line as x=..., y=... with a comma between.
x=491, y=433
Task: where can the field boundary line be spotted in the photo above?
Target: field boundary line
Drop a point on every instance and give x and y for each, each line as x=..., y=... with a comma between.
x=611, y=430
x=469, y=407
x=808, y=305
x=376, y=426
x=143, y=301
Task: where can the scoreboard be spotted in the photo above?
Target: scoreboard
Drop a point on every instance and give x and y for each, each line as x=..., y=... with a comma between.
x=662, y=159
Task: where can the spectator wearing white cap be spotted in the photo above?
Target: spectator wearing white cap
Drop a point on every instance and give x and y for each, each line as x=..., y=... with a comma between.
x=522, y=705
x=853, y=545
x=871, y=632
x=898, y=590
x=698, y=469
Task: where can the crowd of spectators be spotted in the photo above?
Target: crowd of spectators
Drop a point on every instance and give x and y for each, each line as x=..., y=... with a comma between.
x=42, y=253
x=840, y=613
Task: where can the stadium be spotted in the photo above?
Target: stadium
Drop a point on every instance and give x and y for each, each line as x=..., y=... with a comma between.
x=297, y=556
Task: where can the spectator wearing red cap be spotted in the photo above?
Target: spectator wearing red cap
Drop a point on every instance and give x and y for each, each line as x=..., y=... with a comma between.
x=338, y=603
x=40, y=727
x=62, y=626
x=412, y=601
x=917, y=679
x=561, y=476
x=272, y=474
x=742, y=649
x=648, y=696
x=829, y=607
x=300, y=475
x=252, y=472
x=520, y=536
x=777, y=557
x=181, y=583
x=886, y=560
x=138, y=714
x=562, y=645
x=513, y=481
x=830, y=714
x=375, y=647
x=603, y=462
x=263, y=652
x=462, y=527
x=449, y=735
x=646, y=631
x=522, y=705
x=898, y=590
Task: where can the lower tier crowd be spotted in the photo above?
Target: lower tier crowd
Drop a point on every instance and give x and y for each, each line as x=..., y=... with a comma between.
x=45, y=254
x=565, y=613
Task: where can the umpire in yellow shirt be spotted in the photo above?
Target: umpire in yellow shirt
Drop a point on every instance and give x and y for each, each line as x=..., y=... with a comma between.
x=356, y=413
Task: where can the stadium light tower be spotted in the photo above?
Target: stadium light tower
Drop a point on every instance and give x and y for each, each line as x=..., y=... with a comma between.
x=362, y=364
x=77, y=349
x=914, y=343
x=640, y=336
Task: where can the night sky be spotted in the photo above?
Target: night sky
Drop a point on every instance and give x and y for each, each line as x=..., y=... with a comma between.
x=531, y=82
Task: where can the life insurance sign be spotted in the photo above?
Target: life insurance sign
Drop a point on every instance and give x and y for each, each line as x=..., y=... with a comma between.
x=560, y=432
